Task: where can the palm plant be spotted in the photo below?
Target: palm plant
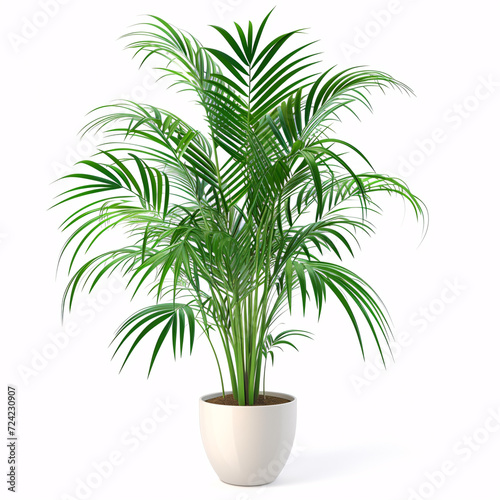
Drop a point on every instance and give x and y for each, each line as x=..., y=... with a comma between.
x=226, y=226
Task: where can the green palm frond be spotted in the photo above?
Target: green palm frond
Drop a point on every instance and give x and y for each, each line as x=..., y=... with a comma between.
x=173, y=317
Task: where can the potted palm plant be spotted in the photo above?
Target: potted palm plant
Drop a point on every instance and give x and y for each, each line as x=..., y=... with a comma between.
x=225, y=225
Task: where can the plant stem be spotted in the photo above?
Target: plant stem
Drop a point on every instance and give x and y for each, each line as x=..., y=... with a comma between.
x=264, y=378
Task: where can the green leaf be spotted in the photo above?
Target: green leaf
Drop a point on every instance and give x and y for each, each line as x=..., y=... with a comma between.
x=233, y=43
x=234, y=67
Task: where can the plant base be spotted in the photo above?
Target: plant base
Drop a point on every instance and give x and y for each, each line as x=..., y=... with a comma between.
x=248, y=445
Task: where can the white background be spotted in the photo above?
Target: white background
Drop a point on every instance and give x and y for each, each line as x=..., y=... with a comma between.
x=363, y=433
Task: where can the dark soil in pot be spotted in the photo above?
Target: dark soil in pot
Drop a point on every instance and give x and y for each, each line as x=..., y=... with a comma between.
x=261, y=400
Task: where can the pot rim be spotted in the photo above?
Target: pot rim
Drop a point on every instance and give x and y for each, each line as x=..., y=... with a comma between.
x=292, y=400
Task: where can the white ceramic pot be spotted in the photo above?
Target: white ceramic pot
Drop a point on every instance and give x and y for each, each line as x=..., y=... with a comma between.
x=248, y=445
